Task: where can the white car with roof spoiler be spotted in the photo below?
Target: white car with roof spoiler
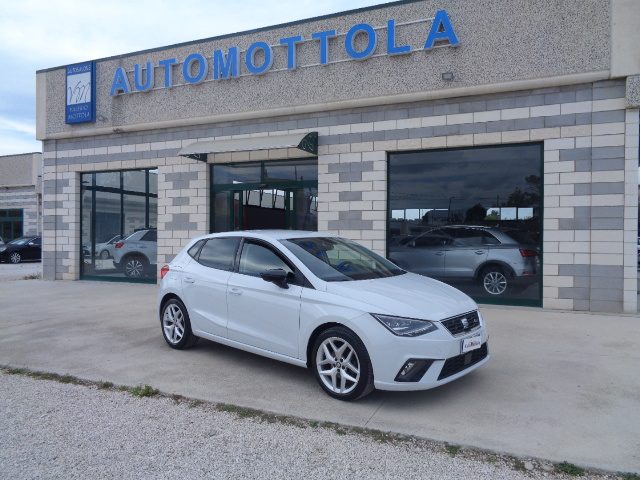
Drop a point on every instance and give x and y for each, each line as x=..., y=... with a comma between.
x=316, y=300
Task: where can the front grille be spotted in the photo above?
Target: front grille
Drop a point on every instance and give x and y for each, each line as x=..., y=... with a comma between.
x=462, y=323
x=457, y=364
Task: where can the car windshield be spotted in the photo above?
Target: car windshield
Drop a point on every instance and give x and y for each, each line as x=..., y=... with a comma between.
x=19, y=241
x=335, y=259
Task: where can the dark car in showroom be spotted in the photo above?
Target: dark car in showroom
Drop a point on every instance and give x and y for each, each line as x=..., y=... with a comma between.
x=21, y=249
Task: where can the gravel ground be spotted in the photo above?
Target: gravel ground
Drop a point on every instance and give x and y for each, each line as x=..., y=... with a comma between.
x=55, y=430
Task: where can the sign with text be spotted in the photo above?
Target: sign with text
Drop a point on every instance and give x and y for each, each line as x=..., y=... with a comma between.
x=80, y=105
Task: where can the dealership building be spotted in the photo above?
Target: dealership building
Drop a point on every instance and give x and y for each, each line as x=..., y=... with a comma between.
x=493, y=144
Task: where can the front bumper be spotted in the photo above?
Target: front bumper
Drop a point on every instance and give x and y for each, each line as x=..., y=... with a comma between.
x=389, y=353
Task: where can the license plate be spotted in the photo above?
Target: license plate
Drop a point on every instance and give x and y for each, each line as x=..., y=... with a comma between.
x=471, y=343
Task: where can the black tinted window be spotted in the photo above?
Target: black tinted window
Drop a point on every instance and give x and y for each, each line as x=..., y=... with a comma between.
x=150, y=236
x=219, y=253
x=256, y=259
x=193, y=251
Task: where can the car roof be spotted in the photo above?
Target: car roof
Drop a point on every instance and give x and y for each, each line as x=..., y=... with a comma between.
x=271, y=234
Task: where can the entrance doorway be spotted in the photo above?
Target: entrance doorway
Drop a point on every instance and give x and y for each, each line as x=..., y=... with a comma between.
x=265, y=195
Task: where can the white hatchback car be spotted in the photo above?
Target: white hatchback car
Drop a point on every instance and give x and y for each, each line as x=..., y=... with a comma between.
x=320, y=301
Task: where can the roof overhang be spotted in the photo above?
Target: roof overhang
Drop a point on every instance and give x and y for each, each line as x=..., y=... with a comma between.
x=306, y=142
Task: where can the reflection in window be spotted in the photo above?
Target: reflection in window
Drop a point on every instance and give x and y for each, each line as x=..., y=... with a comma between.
x=470, y=217
x=118, y=221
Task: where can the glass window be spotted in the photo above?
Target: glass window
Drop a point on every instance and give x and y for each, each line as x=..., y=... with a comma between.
x=291, y=171
x=10, y=224
x=134, y=180
x=471, y=217
x=219, y=253
x=337, y=260
x=256, y=259
x=235, y=174
x=110, y=213
x=108, y=179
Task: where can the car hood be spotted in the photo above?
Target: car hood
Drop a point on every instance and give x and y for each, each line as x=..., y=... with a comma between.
x=409, y=295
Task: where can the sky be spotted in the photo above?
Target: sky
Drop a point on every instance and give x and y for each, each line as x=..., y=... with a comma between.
x=38, y=34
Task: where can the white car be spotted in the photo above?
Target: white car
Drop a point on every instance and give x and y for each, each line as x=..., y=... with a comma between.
x=319, y=301
x=136, y=255
x=105, y=250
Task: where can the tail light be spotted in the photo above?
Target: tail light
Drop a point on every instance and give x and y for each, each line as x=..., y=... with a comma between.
x=163, y=271
x=525, y=252
x=119, y=245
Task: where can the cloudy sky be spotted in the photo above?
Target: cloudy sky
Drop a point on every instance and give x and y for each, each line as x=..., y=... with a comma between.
x=37, y=34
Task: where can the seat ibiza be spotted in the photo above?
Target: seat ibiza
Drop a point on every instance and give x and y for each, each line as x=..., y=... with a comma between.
x=356, y=320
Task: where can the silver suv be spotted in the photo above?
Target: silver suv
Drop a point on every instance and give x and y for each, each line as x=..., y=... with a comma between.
x=485, y=254
x=136, y=255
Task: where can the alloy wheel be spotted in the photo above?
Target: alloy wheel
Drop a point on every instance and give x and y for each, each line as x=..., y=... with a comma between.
x=15, y=257
x=134, y=268
x=338, y=365
x=173, y=324
x=495, y=282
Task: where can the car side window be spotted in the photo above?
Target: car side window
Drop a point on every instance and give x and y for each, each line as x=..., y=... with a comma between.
x=437, y=238
x=256, y=258
x=150, y=236
x=219, y=253
x=37, y=241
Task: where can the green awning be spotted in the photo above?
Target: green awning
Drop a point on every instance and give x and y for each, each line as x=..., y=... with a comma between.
x=306, y=142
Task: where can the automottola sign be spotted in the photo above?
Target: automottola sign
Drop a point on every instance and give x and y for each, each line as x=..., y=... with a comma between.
x=80, y=105
x=258, y=57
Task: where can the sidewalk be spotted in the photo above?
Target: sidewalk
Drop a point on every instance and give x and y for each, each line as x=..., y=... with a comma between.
x=560, y=385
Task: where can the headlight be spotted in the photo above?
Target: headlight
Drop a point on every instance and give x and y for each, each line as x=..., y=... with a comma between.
x=405, y=327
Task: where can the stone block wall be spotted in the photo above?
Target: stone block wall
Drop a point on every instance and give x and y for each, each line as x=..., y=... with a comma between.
x=590, y=141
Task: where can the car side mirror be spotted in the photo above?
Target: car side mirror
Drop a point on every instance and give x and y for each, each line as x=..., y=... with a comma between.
x=277, y=276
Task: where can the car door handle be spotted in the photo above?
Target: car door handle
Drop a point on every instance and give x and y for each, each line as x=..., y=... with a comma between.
x=189, y=280
x=479, y=252
x=235, y=291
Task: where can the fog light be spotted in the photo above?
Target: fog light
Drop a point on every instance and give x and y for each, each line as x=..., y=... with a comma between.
x=413, y=370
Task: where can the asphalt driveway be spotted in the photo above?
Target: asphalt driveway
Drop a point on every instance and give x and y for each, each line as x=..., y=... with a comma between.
x=560, y=385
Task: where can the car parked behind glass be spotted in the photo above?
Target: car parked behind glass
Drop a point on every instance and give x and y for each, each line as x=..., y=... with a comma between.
x=487, y=255
x=356, y=320
x=105, y=250
x=136, y=255
x=21, y=249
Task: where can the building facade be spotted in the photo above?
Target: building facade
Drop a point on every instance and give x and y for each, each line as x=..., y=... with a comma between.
x=20, y=195
x=491, y=146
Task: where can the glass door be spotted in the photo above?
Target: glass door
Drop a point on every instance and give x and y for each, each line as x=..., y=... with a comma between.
x=266, y=195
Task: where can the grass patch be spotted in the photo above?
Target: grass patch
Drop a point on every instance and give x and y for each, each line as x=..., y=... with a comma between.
x=143, y=391
x=105, y=385
x=630, y=476
x=195, y=403
x=519, y=466
x=32, y=276
x=452, y=450
x=569, y=469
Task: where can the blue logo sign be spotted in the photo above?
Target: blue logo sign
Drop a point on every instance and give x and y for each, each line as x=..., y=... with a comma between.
x=258, y=58
x=80, y=105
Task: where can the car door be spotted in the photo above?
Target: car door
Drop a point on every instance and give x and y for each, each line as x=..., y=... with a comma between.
x=204, y=284
x=30, y=250
x=465, y=253
x=148, y=246
x=263, y=314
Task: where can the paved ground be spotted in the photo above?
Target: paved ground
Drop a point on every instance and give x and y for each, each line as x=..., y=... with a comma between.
x=561, y=385
x=79, y=432
x=9, y=271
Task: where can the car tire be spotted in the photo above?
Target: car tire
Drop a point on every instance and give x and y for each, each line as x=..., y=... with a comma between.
x=494, y=280
x=135, y=266
x=176, y=325
x=104, y=255
x=348, y=375
x=15, y=257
